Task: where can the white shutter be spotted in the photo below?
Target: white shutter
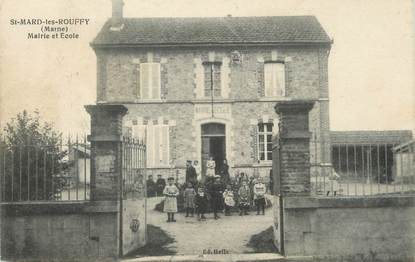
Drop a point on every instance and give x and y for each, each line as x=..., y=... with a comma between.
x=150, y=145
x=157, y=141
x=138, y=132
x=280, y=74
x=145, y=81
x=268, y=79
x=155, y=80
x=274, y=79
x=165, y=145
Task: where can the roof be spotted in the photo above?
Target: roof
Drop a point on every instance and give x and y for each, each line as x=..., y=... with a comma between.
x=405, y=147
x=370, y=137
x=214, y=30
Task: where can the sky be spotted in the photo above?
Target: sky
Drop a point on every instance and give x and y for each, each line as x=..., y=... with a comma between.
x=371, y=63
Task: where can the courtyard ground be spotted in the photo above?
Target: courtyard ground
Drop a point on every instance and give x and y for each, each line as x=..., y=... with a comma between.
x=193, y=237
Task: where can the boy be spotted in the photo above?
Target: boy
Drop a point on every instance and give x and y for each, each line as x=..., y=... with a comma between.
x=201, y=203
x=259, y=196
x=170, y=202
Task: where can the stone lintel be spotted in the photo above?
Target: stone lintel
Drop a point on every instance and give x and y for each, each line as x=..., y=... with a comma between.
x=292, y=106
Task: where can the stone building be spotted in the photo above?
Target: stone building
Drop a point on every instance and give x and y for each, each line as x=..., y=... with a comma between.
x=200, y=87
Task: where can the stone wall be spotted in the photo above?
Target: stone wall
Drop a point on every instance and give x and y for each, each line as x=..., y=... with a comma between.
x=350, y=229
x=59, y=231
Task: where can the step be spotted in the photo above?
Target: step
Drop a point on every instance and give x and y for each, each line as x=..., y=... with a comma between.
x=262, y=257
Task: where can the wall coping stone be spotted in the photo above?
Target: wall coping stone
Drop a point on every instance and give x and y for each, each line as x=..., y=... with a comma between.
x=57, y=208
x=349, y=202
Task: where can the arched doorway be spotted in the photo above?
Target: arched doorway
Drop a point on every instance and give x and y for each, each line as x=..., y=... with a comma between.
x=213, y=138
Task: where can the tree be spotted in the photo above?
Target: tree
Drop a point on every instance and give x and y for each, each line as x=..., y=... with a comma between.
x=31, y=159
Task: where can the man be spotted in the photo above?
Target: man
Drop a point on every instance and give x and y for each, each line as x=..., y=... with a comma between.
x=160, y=184
x=191, y=175
x=151, y=186
x=216, y=193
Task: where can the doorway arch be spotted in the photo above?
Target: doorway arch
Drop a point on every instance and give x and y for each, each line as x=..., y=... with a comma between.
x=213, y=144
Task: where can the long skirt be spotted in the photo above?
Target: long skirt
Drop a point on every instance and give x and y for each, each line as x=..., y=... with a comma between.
x=170, y=205
x=189, y=202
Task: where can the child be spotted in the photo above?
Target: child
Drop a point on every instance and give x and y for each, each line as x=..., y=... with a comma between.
x=201, y=203
x=189, y=199
x=228, y=199
x=244, y=197
x=170, y=202
x=259, y=196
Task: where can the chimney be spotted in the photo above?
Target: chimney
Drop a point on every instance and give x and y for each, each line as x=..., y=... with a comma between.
x=117, y=13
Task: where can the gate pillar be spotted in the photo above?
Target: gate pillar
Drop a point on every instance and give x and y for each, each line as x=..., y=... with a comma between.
x=106, y=142
x=106, y=181
x=290, y=161
x=294, y=148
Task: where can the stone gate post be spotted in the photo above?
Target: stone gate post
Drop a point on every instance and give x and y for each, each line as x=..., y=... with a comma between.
x=106, y=142
x=294, y=147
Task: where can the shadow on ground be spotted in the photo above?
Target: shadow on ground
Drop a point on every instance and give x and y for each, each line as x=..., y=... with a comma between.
x=263, y=242
x=157, y=243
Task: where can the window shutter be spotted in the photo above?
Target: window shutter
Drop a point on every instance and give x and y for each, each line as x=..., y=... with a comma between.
x=268, y=79
x=144, y=81
x=157, y=145
x=280, y=81
x=155, y=80
x=150, y=145
x=165, y=145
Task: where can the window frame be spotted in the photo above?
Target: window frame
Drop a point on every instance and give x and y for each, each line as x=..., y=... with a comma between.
x=265, y=141
x=284, y=75
x=150, y=77
x=219, y=65
x=151, y=136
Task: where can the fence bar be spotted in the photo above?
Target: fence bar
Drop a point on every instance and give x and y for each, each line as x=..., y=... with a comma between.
x=76, y=166
x=44, y=174
x=386, y=168
x=3, y=176
x=36, y=173
x=52, y=172
x=347, y=168
x=70, y=148
x=355, y=169
x=20, y=173
x=28, y=173
x=377, y=157
x=85, y=158
x=370, y=168
x=363, y=170
x=401, y=170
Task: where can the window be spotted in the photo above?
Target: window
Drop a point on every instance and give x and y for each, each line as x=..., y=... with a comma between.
x=274, y=74
x=265, y=141
x=157, y=143
x=149, y=81
x=212, y=79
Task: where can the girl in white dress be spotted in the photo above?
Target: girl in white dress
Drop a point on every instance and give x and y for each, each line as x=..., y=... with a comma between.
x=170, y=202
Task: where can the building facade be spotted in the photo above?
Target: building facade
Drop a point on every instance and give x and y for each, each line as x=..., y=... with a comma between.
x=206, y=87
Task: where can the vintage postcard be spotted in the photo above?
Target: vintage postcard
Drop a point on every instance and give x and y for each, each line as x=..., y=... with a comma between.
x=222, y=130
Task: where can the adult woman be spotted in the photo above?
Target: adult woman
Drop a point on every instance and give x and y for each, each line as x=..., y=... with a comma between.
x=210, y=167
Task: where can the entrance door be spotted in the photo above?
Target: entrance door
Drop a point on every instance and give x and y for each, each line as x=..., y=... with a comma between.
x=213, y=144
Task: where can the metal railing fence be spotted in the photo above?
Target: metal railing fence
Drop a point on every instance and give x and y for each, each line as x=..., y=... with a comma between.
x=45, y=172
x=363, y=169
x=133, y=168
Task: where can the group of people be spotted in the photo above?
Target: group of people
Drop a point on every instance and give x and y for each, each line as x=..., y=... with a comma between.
x=155, y=188
x=215, y=190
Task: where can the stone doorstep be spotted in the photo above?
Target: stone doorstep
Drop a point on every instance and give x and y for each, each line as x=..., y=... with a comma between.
x=262, y=257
